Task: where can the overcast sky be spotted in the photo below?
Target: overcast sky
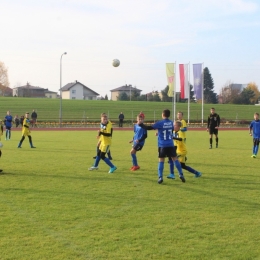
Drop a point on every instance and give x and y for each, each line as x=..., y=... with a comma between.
x=142, y=34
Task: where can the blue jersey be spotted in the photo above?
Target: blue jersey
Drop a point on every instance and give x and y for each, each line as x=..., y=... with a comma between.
x=8, y=121
x=140, y=134
x=255, y=125
x=165, y=128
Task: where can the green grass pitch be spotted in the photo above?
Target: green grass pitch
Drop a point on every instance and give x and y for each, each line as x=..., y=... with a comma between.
x=52, y=207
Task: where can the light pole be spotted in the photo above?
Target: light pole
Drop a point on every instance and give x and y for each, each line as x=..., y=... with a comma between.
x=61, y=87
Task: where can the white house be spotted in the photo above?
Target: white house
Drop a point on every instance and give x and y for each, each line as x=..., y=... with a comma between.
x=77, y=90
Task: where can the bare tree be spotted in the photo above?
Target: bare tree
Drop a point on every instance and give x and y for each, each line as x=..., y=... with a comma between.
x=3, y=75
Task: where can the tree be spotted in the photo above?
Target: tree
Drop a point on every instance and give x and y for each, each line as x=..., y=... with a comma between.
x=123, y=96
x=4, y=82
x=135, y=94
x=208, y=88
x=106, y=97
x=165, y=97
x=252, y=86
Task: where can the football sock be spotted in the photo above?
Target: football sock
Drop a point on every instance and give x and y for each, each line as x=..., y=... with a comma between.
x=171, y=166
x=178, y=166
x=107, y=161
x=134, y=159
x=210, y=141
x=189, y=169
x=160, y=169
x=256, y=149
x=97, y=161
x=217, y=140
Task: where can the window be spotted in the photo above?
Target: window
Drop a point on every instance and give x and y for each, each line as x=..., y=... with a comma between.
x=73, y=91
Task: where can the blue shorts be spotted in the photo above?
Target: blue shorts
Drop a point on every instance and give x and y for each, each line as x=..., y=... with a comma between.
x=166, y=152
x=137, y=147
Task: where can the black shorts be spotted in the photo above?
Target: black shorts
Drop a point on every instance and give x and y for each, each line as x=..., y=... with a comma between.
x=213, y=131
x=256, y=141
x=137, y=147
x=166, y=152
x=8, y=127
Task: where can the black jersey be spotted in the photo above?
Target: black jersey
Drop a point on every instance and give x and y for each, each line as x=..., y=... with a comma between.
x=213, y=120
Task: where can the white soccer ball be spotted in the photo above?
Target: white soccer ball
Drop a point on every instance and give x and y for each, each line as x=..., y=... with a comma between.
x=116, y=62
x=1, y=145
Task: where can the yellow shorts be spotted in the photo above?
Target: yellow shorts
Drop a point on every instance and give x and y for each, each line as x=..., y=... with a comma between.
x=181, y=158
x=104, y=148
x=26, y=132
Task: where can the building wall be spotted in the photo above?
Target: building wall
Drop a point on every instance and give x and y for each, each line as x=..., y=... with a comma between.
x=51, y=95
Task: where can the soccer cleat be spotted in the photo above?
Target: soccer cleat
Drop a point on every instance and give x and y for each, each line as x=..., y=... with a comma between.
x=216, y=145
x=198, y=174
x=182, y=178
x=171, y=176
x=33, y=147
x=160, y=180
x=253, y=156
x=132, y=168
x=210, y=147
x=19, y=146
x=135, y=168
x=92, y=168
x=112, y=169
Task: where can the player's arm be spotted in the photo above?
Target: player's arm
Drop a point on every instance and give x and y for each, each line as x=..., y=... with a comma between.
x=250, y=129
x=218, y=121
x=146, y=127
x=144, y=136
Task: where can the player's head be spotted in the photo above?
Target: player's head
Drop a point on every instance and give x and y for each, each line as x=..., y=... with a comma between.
x=104, y=118
x=166, y=113
x=139, y=119
x=8, y=112
x=180, y=115
x=212, y=110
x=27, y=114
x=256, y=116
x=177, y=125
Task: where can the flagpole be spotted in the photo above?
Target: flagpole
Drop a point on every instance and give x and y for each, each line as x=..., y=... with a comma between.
x=202, y=101
x=174, y=111
x=189, y=93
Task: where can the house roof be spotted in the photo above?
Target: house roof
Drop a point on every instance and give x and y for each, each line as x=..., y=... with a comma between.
x=48, y=91
x=125, y=88
x=70, y=85
x=28, y=86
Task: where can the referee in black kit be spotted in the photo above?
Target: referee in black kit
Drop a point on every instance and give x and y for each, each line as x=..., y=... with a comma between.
x=213, y=125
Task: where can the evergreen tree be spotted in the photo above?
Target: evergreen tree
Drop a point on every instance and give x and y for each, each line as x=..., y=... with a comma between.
x=106, y=97
x=123, y=96
x=209, y=95
x=165, y=97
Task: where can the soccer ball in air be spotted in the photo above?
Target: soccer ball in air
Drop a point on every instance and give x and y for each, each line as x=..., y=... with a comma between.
x=116, y=62
x=1, y=145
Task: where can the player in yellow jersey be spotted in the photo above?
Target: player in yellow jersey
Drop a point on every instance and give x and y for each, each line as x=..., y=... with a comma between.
x=105, y=135
x=1, y=133
x=26, y=131
x=181, y=151
x=183, y=129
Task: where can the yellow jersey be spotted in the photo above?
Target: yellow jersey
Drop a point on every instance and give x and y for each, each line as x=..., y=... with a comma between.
x=106, y=133
x=183, y=125
x=25, y=130
x=181, y=146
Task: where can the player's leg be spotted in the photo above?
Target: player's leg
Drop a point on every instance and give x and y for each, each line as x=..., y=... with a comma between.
x=136, y=148
x=257, y=146
x=0, y=156
x=104, y=149
x=9, y=137
x=216, y=137
x=188, y=168
x=98, y=144
x=134, y=159
x=30, y=141
x=210, y=139
x=160, y=170
x=171, y=175
x=21, y=141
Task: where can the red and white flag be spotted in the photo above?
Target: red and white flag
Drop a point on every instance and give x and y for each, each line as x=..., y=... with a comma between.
x=184, y=80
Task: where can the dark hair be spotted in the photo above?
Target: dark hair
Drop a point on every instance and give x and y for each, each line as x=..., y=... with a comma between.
x=166, y=112
x=213, y=108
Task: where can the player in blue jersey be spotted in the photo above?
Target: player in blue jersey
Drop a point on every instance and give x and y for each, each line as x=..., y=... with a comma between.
x=165, y=144
x=8, y=125
x=255, y=127
x=138, y=141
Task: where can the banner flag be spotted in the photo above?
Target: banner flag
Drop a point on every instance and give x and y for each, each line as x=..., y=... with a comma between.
x=184, y=80
x=170, y=78
x=197, y=75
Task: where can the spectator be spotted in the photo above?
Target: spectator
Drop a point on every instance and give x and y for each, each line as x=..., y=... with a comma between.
x=16, y=121
x=21, y=120
x=34, y=118
x=121, y=119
